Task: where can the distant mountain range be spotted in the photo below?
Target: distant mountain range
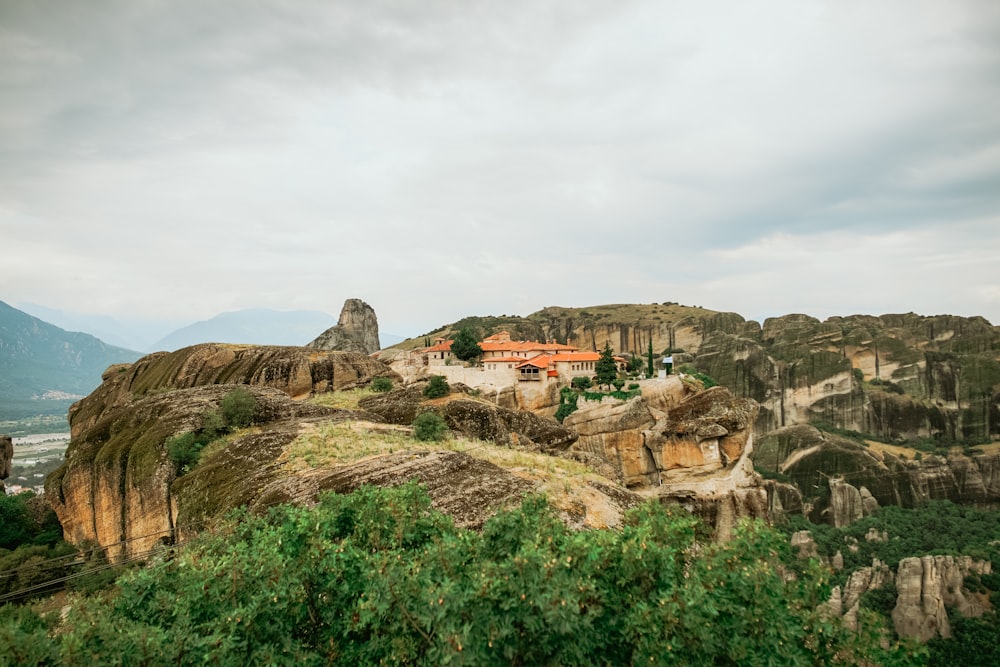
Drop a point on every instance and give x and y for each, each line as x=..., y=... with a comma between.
x=255, y=327
x=43, y=368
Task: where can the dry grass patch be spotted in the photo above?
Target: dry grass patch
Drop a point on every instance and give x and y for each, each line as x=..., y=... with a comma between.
x=563, y=480
x=992, y=448
x=343, y=400
x=895, y=450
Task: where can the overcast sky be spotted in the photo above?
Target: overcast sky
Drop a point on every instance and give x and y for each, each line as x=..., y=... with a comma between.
x=441, y=159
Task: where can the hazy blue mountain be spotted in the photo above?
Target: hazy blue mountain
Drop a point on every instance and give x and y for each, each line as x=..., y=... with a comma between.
x=129, y=333
x=255, y=326
x=43, y=368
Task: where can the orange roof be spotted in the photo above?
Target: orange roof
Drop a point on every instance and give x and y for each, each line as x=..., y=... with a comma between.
x=541, y=361
x=441, y=347
x=576, y=356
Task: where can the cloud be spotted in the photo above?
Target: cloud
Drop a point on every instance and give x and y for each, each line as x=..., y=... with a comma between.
x=441, y=159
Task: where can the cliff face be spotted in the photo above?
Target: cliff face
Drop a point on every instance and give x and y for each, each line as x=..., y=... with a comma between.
x=355, y=331
x=926, y=587
x=841, y=480
x=296, y=371
x=894, y=376
x=6, y=456
x=693, y=449
x=119, y=489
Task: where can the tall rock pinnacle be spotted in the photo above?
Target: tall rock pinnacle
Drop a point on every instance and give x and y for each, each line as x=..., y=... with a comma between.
x=356, y=330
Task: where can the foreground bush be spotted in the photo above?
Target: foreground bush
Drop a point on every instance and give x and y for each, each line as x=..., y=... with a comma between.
x=379, y=576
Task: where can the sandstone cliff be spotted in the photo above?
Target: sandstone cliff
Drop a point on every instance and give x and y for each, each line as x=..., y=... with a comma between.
x=842, y=480
x=296, y=371
x=118, y=487
x=6, y=456
x=355, y=331
x=695, y=451
x=926, y=588
x=848, y=371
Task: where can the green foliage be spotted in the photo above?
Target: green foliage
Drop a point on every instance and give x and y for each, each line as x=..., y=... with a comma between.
x=859, y=374
x=887, y=385
x=184, y=450
x=27, y=519
x=465, y=345
x=934, y=527
x=605, y=368
x=437, y=387
x=706, y=380
x=381, y=384
x=581, y=382
x=650, y=369
x=975, y=641
x=429, y=427
x=567, y=404
x=378, y=576
x=15, y=520
x=238, y=408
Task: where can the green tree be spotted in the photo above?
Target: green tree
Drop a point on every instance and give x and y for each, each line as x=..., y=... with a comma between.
x=437, y=387
x=381, y=384
x=605, y=368
x=239, y=408
x=465, y=345
x=429, y=427
x=581, y=382
x=650, y=369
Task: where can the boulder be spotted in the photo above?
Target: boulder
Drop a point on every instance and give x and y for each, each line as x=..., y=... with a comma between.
x=928, y=585
x=296, y=371
x=473, y=418
x=355, y=331
x=6, y=455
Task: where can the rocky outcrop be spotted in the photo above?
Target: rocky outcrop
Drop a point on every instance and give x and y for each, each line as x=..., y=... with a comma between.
x=296, y=371
x=928, y=585
x=848, y=504
x=861, y=478
x=696, y=453
x=847, y=602
x=894, y=376
x=355, y=331
x=474, y=418
x=116, y=485
x=6, y=456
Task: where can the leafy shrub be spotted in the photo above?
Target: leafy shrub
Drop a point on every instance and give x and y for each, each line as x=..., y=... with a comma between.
x=581, y=382
x=633, y=385
x=381, y=384
x=429, y=427
x=238, y=408
x=437, y=387
x=184, y=450
x=565, y=410
x=379, y=576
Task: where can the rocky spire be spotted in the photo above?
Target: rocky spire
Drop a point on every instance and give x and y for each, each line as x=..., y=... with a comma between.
x=6, y=455
x=356, y=330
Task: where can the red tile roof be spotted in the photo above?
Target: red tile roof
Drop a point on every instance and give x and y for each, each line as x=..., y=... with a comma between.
x=441, y=347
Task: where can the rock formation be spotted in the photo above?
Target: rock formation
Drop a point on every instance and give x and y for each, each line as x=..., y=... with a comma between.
x=926, y=586
x=296, y=371
x=355, y=331
x=119, y=488
x=861, y=478
x=6, y=456
x=474, y=418
x=695, y=453
x=895, y=376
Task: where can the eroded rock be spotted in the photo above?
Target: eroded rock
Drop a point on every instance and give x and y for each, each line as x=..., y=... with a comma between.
x=355, y=331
